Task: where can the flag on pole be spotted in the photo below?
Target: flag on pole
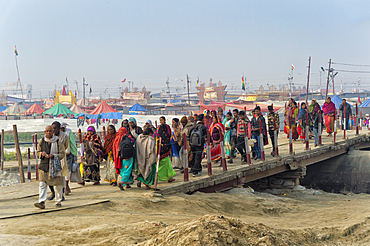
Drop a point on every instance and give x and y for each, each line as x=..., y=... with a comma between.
x=66, y=79
x=182, y=81
x=198, y=80
x=90, y=89
x=243, y=83
x=293, y=66
x=15, y=51
x=123, y=81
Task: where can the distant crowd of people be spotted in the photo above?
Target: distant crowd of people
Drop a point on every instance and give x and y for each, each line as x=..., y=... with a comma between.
x=132, y=152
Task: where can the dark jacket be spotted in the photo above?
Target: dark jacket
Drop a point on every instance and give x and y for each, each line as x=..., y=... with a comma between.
x=255, y=124
x=348, y=110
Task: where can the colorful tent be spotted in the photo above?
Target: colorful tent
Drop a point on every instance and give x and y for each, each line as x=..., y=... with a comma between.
x=2, y=108
x=103, y=107
x=82, y=102
x=60, y=110
x=15, y=109
x=2, y=114
x=169, y=104
x=137, y=109
x=366, y=103
x=77, y=109
x=34, y=109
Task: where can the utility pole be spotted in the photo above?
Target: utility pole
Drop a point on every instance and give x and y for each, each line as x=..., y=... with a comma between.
x=308, y=78
x=187, y=79
x=84, y=85
x=327, y=81
x=290, y=79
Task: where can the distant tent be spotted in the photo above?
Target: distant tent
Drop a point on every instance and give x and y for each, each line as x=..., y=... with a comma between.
x=169, y=104
x=34, y=109
x=366, y=103
x=337, y=101
x=77, y=109
x=82, y=102
x=60, y=110
x=137, y=109
x=103, y=107
x=2, y=114
x=15, y=109
x=2, y=108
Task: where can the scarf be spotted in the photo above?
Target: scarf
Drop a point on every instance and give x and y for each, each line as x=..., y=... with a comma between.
x=108, y=142
x=55, y=167
x=302, y=114
x=145, y=154
x=117, y=140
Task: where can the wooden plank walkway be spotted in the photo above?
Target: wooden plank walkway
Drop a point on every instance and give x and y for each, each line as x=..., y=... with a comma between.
x=238, y=174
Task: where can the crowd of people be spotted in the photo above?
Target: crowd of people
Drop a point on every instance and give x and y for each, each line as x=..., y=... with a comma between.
x=132, y=153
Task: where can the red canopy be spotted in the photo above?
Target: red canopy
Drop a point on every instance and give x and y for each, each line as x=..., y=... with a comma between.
x=34, y=109
x=103, y=107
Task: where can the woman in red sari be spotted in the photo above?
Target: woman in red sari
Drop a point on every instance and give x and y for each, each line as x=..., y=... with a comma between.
x=217, y=131
x=329, y=113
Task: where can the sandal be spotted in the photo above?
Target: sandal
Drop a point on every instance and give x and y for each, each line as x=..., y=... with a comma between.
x=138, y=184
x=82, y=183
x=120, y=186
x=147, y=187
x=171, y=180
x=128, y=186
x=96, y=183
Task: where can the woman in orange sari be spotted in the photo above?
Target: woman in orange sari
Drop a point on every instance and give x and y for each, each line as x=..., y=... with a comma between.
x=217, y=131
x=329, y=113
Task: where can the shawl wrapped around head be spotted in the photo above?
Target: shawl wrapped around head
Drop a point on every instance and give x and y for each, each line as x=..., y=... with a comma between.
x=302, y=114
x=145, y=154
x=94, y=138
x=219, y=126
x=117, y=140
x=108, y=141
x=328, y=108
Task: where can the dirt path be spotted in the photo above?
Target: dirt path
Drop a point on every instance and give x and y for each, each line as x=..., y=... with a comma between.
x=135, y=216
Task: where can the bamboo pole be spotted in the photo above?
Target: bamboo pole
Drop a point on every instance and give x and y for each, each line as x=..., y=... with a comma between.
x=18, y=151
x=2, y=149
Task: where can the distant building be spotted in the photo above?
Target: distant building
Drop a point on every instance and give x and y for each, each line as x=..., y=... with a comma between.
x=64, y=98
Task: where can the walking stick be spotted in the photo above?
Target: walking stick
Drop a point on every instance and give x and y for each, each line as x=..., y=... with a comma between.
x=223, y=155
x=307, y=132
x=29, y=165
x=319, y=128
x=186, y=164
x=344, y=123
x=209, y=164
x=276, y=139
x=37, y=160
x=262, y=146
x=247, y=149
x=157, y=166
x=356, y=120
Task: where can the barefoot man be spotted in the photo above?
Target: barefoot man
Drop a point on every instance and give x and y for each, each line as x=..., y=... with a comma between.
x=50, y=152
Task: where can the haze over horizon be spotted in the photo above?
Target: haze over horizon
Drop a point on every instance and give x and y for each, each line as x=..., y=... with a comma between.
x=148, y=41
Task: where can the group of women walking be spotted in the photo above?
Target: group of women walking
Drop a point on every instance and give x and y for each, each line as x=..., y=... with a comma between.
x=128, y=155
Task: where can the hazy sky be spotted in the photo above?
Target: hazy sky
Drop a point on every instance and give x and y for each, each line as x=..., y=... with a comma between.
x=146, y=41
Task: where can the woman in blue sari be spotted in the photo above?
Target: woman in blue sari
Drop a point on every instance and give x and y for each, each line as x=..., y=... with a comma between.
x=227, y=139
x=175, y=147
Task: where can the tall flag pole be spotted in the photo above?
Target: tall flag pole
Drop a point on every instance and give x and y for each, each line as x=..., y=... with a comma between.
x=16, y=64
x=243, y=83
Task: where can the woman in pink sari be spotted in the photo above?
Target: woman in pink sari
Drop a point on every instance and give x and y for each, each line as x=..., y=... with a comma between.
x=217, y=131
x=329, y=113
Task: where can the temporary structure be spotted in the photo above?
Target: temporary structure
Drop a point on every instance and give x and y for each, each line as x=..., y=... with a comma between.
x=15, y=109
x=34, y=109
x=137, y=109
x=103, y=107
x=82, y=102
x=77, y=109
x=60, y=110
x=169, y=104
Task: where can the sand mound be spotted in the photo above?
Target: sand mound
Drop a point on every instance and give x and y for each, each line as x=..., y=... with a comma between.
x=219, y=230
x=7, y=179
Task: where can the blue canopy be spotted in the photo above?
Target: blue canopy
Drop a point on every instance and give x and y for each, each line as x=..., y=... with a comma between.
x=366, y=103
x=137, y=109
x=2, y=108
x=337, y=101
x=111, y=116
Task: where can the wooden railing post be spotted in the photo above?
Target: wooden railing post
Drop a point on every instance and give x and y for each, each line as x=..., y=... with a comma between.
x=18, y=151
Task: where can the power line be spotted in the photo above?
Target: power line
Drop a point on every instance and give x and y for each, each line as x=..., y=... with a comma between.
x=350, y=71
x=349, y=64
